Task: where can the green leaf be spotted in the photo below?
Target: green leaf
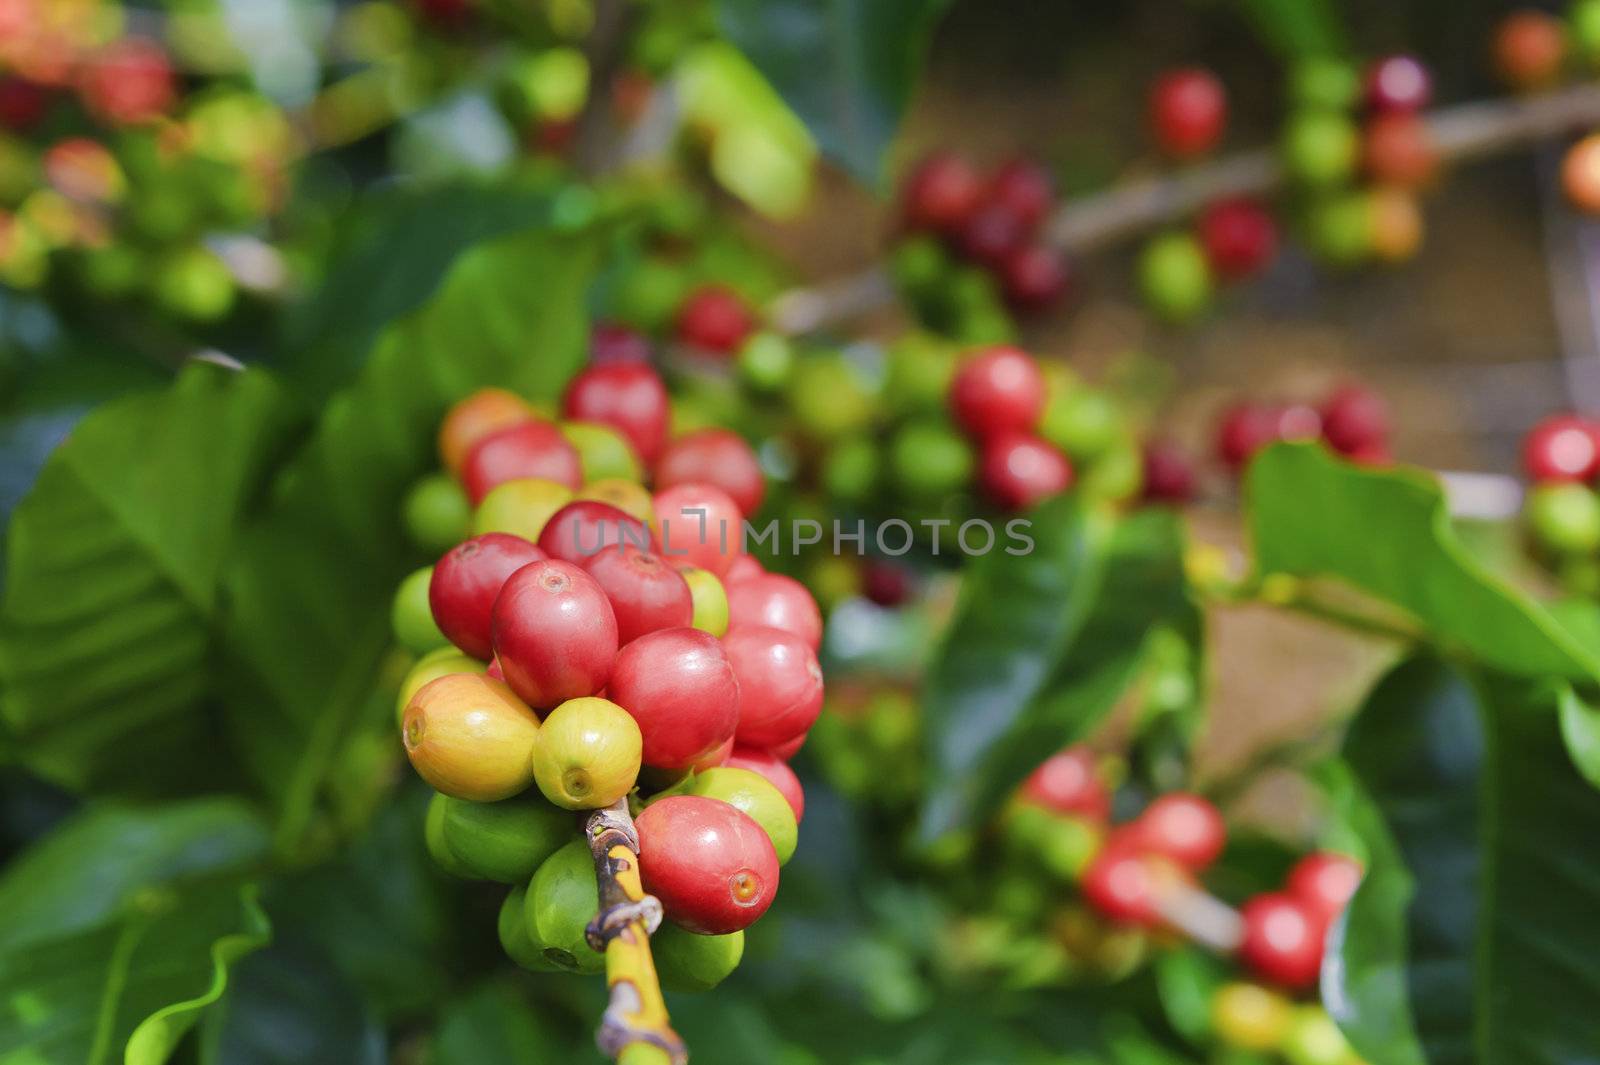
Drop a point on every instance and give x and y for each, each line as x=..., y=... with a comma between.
x=113, y=564
x=1387, y=533
x=309, y=590
x=287, y=1006
x=1043, y=645
x=1496, y=953
x=1580, y=730
x=494, y=1024
x=1296, y=29
x=846, y=67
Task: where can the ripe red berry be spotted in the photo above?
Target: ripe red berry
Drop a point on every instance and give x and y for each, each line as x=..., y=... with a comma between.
x=1325, y=881
x=528, y=449
x=555, y=635
x=1169, y=474
x=941, y=193
x=785, y=751
x=1017, y=470
x=1282, y=940
x=1069, y=783
x=741, y=568
x=1529, y=47
x=466, y=581
x=713, y=868
x=629, y=397
x=888, y=584
x=1398, y=83
x=991, y=233
x=1397, y=149
x=1355, y=420
x=1000, y=390
x=1188, y=108
x=679, y=686
x=698, y=525
x=1034, y=276
x=1024, y=188
x=716, y=457
x=1183, y=827
x=645, y=593
x=128, y=81
x=776, y=601
x=715, y=319
x=780, y=684
x=1123, y=884
x=1239, y=237
x=1249, y=427
x=586, y=528
x=716, y=758
x=1563, y=447
x=611, y=344
x=777, y=773
x=22, y=103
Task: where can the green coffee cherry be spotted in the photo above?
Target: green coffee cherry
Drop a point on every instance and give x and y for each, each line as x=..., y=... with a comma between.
x=1584, y=18
x=437, y=663
x=919, y=264
x=1175, y=278
x=562, y=899
x=1324, y=82
x=1313, y=1039
x=1083, y=422
x=193, y=283
x=1564, y=518
x=603, y=452
x=850, y=469
x=829, y=397
x=765, y=362
x=1321, y=147
x=1341, y=229
x=929, y=459
x=710, y=600
x=691, y=963
x=1067, y=845
x=433, y=839
x=752, y=793
x=586, y=754
x=436, y=513
x=919, y=373
x=507, y=840
x=412, y=618
x=1116, y=475
x=647, y=295
x=514, y=938
x=520, y=507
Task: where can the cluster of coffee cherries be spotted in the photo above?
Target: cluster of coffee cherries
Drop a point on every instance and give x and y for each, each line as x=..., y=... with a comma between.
x=1143, y=874
x=1561, y=457
x=1352, y=420
x=592, y=641
x=967, y=230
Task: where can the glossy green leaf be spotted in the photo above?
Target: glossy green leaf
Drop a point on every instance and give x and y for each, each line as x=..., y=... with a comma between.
x=846, y=67
x=1042, y=645
x=494, y=1024
x=1496, y=952
x=1387, y=533
x=289, y=1006
x=113, y=565
x=309, y=590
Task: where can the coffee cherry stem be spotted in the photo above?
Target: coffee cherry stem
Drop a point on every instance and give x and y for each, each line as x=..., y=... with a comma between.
x=635, y=1029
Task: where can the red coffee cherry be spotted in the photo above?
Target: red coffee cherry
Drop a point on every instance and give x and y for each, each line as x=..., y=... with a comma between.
x=555, y=635
x=611, y=344
x=22, y=103
x=1355, y=420
x=1239, y=237
x=780, y=684
x=777, y=773
x=1034, y=276
x=645, y=593
x=1563, y=447
x=1123, y=884
x=1000, y=390
x=1245, y=429
x=888, y=584
x=699, y=525
x=680, y=687
x=465, y=582
x=778, y=602
x=1183, y=827
x=1580, y=174
x=1283, y=939
x=716, y=758
x=941, y=193
x=714, y=318
x=1068, y=782
x=1325, y=881
x=1397, y=149
x=128, y=81
x=1017, y=470
x=1169, y=474
x=1529, y=47
x=528, y=449
x=991, y=233
x=741, y=568
x=586, y=528
x=716, y=457
x=1188, y=108
x=1398, y=83
x=783, y=752
x=629, y=397
x=713, y=868
x=1024, y=188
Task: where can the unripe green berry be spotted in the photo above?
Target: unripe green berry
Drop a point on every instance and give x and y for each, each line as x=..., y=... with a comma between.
x=436, y=513
x=505, y=841
x=929, y=460
x=515, y=939
x=1118, y=474
x=765, y=362
x=586, y=754
x=1083, y=422
x=829, y=397
x=756, y=796
x=688, y=963
x=1584, y=18
x=1175, y=278
x=433, y=839
x=920, y=368
x=520, y=507
x=412, y=618
x=850, y=469
x=919, y=263
x=710, y=600
x=647, y=295
x=603, y=453
x=1313, y=1039
x=1323, y=82
x=1341, y=229
x=1564, y=518
x=1321, y=147
x=562, y=899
